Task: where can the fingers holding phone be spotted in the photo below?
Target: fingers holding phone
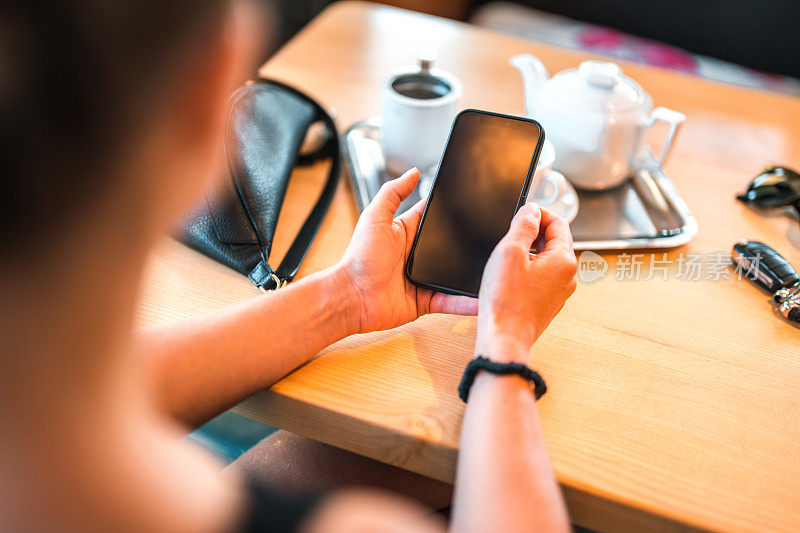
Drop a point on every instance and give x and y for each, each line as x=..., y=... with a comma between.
x=524, y=228
x=521, y=292
x=556, y=236
x=483, y=178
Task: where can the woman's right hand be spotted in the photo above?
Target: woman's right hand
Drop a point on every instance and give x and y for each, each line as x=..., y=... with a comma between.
x=522, y=292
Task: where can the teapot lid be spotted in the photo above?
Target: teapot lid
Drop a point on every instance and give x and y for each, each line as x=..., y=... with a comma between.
x=596, y=86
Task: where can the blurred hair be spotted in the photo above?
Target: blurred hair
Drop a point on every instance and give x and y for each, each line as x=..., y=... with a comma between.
x=76, y=79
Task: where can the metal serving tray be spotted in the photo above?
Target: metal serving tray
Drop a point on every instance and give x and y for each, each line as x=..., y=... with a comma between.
x=644, y=212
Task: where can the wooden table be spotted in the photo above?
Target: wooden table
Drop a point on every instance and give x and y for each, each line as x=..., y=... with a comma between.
x=673, y=405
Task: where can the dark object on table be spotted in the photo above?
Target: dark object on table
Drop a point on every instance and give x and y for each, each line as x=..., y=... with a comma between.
x=235, y=223
x=771, y=271
x=776, y=186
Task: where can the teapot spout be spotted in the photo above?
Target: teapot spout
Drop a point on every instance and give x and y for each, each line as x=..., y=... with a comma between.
x=534, y=76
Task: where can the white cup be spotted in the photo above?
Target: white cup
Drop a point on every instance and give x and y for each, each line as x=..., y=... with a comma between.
x=414, y=129
x=550, y=189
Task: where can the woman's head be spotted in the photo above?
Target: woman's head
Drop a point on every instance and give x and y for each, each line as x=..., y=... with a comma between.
x=102, y=98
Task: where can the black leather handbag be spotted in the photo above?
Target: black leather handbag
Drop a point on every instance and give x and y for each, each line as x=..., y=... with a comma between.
x=235, y=221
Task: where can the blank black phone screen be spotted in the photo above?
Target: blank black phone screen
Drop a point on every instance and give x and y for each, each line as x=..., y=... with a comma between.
x=483, y=174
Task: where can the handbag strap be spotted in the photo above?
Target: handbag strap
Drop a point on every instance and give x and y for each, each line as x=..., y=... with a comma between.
x=263, y=275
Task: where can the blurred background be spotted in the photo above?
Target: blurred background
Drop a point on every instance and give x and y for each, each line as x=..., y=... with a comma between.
x=744, y=42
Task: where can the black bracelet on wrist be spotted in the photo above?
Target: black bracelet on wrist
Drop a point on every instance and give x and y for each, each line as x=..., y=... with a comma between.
x=538, y=386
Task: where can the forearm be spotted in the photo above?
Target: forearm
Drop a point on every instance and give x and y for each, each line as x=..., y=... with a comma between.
x=202, y=367
x=504, y=481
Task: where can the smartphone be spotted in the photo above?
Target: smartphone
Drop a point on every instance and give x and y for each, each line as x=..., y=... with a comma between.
x=482, y=180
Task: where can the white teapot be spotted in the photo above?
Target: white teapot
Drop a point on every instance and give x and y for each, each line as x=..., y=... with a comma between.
x=595, y=118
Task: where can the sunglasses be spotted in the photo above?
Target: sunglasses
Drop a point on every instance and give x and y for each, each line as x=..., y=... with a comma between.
x=776, y=186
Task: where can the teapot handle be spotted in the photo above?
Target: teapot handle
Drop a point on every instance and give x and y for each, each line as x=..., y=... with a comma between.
x=673, y=119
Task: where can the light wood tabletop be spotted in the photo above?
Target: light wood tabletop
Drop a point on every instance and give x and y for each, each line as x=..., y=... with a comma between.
x=674, y=404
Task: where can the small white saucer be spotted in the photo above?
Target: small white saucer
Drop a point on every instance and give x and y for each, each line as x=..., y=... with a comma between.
x=545, y=192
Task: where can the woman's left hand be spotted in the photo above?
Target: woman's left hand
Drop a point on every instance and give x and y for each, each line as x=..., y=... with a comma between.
x=374, y=263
